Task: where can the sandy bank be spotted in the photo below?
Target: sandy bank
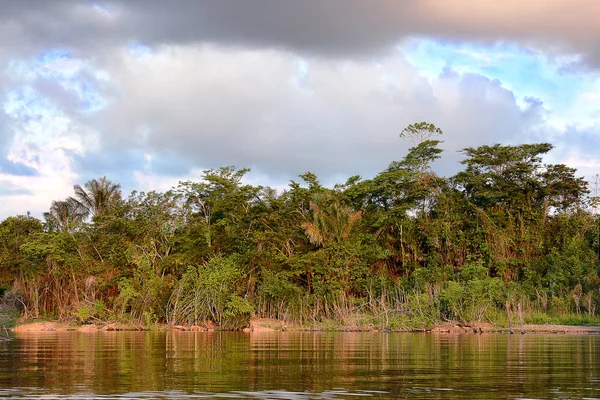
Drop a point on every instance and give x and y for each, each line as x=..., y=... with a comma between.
x=273, y=325
x=63, y=327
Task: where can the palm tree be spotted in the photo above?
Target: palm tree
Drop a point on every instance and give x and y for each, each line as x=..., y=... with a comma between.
x=65, y=215
x=329, y=221
x=96, y=195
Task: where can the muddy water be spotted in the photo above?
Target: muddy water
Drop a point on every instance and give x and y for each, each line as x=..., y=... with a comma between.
x=298, y=365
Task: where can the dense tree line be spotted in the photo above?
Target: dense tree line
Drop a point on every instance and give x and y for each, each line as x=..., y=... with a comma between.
x=404, y=249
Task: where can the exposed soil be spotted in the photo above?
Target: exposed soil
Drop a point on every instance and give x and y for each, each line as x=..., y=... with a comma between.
x=265, y=325
x=480, y=328
x=259, y=325
x=54, y=326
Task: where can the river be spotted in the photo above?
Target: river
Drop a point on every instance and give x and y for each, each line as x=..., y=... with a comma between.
x=75, y=365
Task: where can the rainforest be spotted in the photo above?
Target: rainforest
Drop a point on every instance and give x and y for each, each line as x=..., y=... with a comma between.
x=404, y=250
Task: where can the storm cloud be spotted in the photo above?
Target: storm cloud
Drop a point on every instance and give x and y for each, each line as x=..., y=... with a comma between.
x=333, y=28
x=151, y=92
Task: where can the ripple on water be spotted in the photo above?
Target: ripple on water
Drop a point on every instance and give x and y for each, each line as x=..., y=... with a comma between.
x=39, y=393
x=296, y=365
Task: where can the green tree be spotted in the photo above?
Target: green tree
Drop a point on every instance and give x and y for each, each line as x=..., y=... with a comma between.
x=96, y=195
x=65, y=215
x=513, y=196
x=420, y=132
x=14, y=233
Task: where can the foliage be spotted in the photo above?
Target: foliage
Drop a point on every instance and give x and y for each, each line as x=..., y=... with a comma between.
x=402, y=250
x=210, y=292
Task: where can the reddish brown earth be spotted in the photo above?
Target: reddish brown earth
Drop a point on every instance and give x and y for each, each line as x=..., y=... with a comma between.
x=273, y=325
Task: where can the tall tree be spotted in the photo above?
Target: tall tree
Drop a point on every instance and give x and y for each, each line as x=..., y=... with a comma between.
x=14, y=232
x=65, y=215
x=329, y=221
x=96, y=195
x=420, y=132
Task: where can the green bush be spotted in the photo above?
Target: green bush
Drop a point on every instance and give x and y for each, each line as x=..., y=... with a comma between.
x=208, y=292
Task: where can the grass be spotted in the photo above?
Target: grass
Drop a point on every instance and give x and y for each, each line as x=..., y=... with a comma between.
x=571, y=319
x=8, y=318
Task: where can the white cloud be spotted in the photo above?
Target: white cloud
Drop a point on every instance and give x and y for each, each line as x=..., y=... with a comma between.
x=590, y=96
x=44, y=137
x=217, y=107
x=155, y=93
x=587, y=166
x=32, y=193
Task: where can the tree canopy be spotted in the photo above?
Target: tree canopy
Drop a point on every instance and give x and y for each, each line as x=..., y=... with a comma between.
x=406, y=244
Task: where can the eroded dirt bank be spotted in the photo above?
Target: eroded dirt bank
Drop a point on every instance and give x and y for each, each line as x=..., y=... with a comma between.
x=272, y=325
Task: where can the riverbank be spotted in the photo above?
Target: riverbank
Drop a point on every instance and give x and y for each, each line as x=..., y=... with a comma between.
x=272, y=325
x=8, y=317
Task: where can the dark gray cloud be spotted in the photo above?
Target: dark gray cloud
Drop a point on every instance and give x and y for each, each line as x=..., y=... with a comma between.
x=332, y=28
x=347, y=28
x=280, y=86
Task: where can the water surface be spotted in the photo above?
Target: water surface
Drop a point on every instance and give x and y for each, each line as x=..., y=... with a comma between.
x=298, y=365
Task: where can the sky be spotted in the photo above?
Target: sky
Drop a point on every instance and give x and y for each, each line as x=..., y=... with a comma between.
x=150, y=93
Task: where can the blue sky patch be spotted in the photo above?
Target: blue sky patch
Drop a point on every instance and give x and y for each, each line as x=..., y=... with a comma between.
x=17, y=169
x=527, y=73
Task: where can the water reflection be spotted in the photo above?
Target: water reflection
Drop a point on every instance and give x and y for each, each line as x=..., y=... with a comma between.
x=297, y=365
